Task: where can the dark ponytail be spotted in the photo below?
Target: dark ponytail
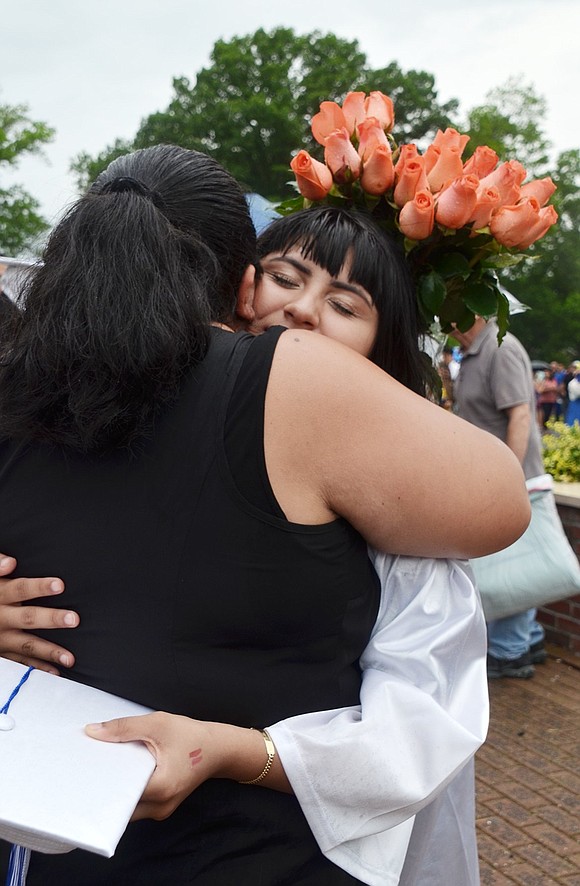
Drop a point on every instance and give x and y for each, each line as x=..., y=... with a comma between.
x=121, y=307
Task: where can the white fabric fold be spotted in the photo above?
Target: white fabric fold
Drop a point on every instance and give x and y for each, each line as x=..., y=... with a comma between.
x=365, y=776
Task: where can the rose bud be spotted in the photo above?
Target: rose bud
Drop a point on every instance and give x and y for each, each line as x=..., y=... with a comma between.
x=329, y=118
x=505, y=179
x=546, y=218
x=313, y=178
x=447, y=167
x=455, y=204
x=430, y=158
x=540, y=188
x=378, y=171
x=450, y=139
x=411, y=179
x=341, y=157
x=510, y=225
x=370, y=135
x=481, y=163
x=381, y=106
x=406, y=152
x=487, y=201
x=417, y=217
x=353, y=108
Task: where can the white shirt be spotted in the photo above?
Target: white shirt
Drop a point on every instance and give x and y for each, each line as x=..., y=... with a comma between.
x=387, y=787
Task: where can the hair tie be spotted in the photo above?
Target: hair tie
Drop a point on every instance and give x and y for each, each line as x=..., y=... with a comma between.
x=127, y=183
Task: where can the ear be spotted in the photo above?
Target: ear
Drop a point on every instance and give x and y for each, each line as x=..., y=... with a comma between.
x=246, y=291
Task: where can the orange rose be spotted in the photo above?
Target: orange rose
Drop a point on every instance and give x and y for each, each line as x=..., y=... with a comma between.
x=353, y=108
x=447, y=167
x=511, y=225
x=411, y=179
x=370, y=135
x=313, y=178
x=520, y=226
x=406, y=152
x=546, y=218
x=450, y=139
x=430, y=158
x=417, y=217
x=381, y=106
x=456, y=203
x=329, y=118
x=481, y=163
x=540, y=188
x=487, y=200
x=341, y=157
x=378, y=171
x=506, y=179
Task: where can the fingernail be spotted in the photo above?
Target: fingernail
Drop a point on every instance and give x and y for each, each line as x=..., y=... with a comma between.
x=70, y=619
x=5, y=562
x=56, y=586
x=94, y=727
x=65, y=660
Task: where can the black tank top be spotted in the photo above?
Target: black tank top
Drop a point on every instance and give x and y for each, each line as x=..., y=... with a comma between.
x=198, y=597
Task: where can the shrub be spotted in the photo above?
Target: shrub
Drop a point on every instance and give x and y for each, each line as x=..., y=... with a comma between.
x=562, y=452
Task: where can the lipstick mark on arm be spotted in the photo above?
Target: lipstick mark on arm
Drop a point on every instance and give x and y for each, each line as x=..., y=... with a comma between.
x=196, y=756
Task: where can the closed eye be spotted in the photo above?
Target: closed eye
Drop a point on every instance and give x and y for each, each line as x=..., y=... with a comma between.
x=342, y=308
x=283, y=280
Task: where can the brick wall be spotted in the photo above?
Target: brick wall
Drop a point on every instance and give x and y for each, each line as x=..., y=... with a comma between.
x=562, y=619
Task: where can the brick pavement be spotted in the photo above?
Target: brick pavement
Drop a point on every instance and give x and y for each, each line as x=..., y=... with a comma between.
x=528, y=779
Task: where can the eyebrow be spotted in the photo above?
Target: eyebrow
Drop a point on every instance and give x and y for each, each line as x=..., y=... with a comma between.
x=336, y=284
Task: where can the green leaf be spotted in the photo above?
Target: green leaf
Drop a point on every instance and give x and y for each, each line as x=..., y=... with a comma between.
x=453, y=264
x=293, y=204
x=481, y=299
x=505, y=260
x=454, y=310
x=432, y=291
x=503, y=316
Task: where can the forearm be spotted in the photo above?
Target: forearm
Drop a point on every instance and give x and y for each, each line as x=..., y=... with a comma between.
x=363, y=770
x=518, y=430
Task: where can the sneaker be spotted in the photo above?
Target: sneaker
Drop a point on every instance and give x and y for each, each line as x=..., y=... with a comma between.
x=510, y=667
x=538, y=654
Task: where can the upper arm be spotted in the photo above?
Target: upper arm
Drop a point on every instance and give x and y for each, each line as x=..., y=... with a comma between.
x=411, y=477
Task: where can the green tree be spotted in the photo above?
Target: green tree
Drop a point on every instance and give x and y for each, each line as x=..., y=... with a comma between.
x=550, y=284
x=20, y=222
x=510, y=122
x=251, y=107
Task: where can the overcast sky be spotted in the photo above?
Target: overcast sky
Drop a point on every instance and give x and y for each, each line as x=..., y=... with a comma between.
x=94, y=71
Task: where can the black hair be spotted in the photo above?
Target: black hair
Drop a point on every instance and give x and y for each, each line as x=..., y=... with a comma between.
x=328, y=235
x=120, y=309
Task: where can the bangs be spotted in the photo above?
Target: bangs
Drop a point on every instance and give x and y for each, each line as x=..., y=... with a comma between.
x=331, y=237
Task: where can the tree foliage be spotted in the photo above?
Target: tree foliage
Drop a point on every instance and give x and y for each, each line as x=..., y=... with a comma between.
x=510, y=122
x=20, y=222
x=550, y=284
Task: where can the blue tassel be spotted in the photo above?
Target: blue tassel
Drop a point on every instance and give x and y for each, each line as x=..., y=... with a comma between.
x=18, y=866
x=19, y=856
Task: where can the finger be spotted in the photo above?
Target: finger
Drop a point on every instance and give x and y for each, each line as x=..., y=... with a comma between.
x=28, y=647
x=37, y=663
x=7, y=564
x=20, y=590
x=35, y=618
x=122, y=729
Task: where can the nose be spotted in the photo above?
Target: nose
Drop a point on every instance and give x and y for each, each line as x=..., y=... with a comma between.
x=302, y=313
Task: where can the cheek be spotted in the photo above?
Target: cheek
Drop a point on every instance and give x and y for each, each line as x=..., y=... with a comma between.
x=268, y=299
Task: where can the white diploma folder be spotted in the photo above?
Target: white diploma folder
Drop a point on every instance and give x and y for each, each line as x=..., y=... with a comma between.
x=60, y=789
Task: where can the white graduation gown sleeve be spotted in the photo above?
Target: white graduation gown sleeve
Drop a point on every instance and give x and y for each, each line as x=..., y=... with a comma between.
x=362, y=773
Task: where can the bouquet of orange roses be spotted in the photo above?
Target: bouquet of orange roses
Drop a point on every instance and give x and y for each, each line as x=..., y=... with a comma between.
x=459, y=222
